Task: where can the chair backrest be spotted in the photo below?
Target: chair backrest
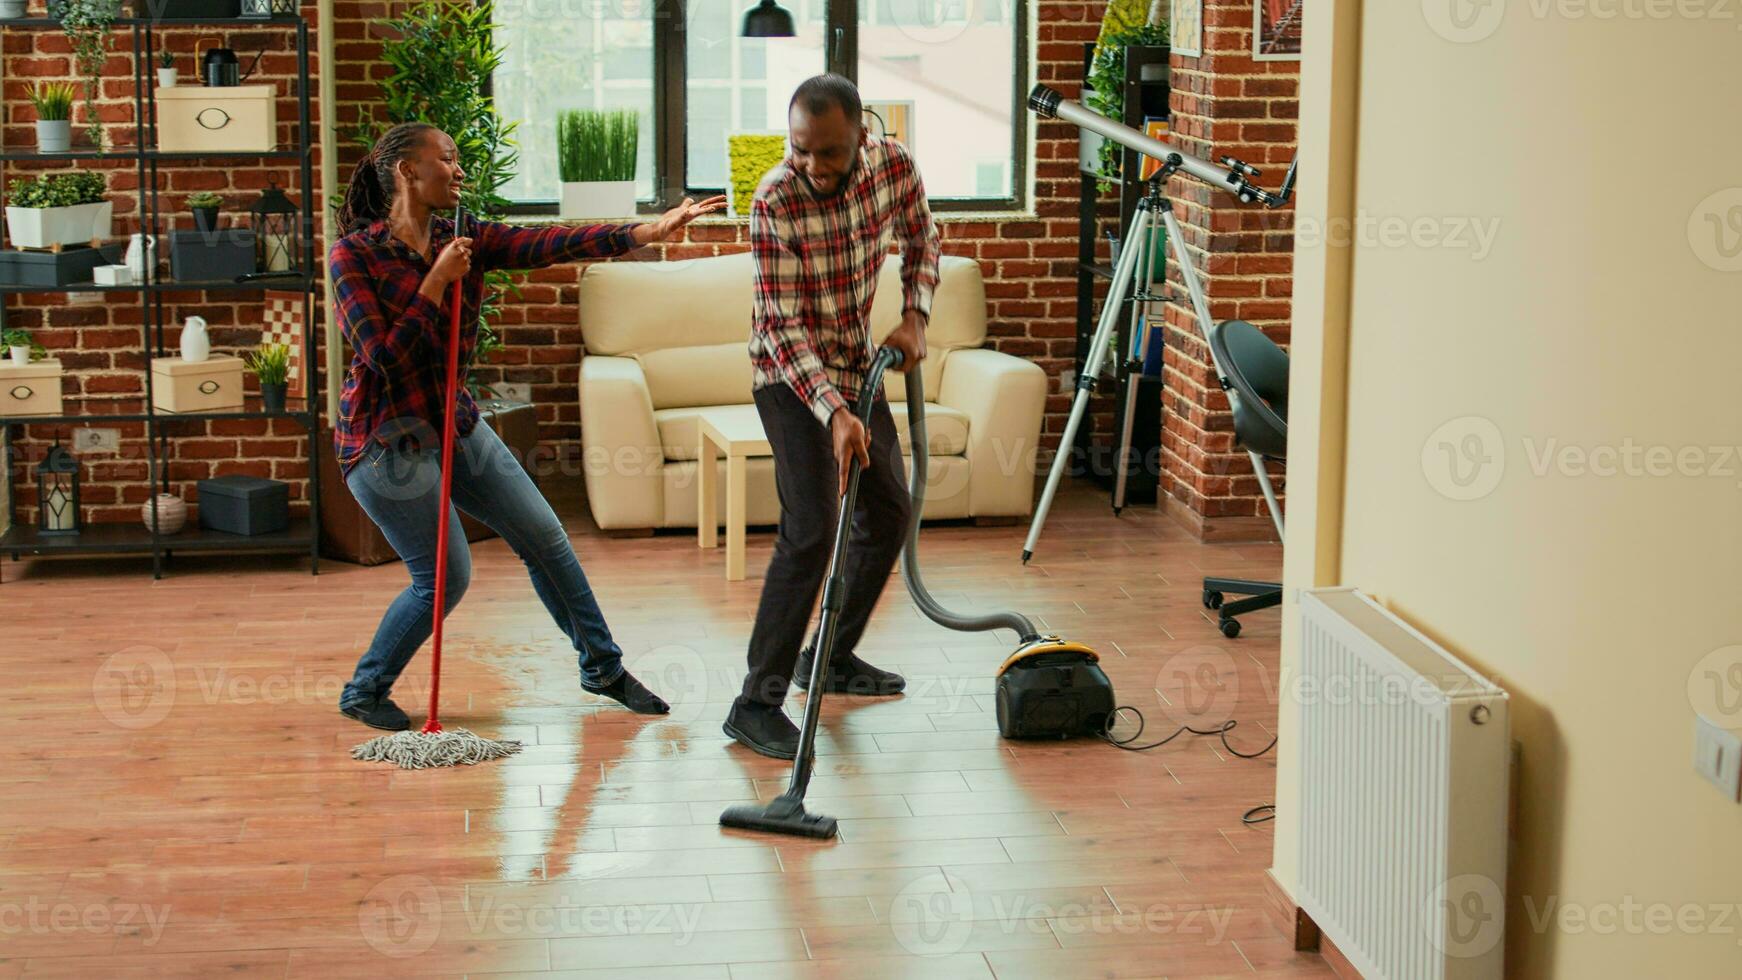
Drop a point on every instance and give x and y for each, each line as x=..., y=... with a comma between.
x=688, y=322
x=1255, y=374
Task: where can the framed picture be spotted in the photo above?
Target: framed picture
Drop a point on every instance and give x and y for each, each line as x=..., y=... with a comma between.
x=1276, y=26
x=1186, y=27
x=891, y=119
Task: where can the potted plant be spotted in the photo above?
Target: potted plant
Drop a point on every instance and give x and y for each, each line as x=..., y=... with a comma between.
x=595, y=152
x=53, y=102
x=165, y=69
x=20, y=345
x=1104, y=88
x=271, y=364
x=58, y=209
x=749, y=158
x=11, y=9
x=87, y=23
x=205, y=207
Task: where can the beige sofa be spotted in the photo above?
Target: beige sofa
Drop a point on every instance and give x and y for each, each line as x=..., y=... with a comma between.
x=667, y=341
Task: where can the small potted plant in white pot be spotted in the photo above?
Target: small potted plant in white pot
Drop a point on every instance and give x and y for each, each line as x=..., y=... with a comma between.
x=596, y=155
x=205, y=207
x=19, y=344
x=53, y=102
x=58, y=209
x=166, y=72
x=271, y=364
x=11, y=9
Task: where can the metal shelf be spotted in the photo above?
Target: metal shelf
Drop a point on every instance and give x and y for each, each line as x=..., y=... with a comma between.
x=120, y=538
x=277, y=284
x=30, y=23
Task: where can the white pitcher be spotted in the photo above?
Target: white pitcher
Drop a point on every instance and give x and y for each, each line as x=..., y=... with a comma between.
x=142, y=254
x=196, y=344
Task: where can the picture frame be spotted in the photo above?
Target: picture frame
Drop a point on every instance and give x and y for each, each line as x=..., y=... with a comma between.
x=1276, y=30
x=1186, y=27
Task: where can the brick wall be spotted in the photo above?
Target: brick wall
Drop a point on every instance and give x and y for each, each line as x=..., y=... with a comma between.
x=100, y=343
x=1225, y=103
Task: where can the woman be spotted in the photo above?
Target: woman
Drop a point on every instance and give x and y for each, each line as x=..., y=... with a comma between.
x=392, y=277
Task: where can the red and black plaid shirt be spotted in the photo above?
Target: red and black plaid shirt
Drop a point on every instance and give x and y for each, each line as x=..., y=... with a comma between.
x=816, y=272
x=397, y=380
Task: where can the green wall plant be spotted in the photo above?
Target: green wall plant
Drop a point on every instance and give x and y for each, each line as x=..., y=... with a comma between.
x=749, y=157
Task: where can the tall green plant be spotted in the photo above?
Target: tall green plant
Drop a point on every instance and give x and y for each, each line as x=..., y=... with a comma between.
x=1105, y=85
x=443, y=53
x=597, y=145
x=87, y=23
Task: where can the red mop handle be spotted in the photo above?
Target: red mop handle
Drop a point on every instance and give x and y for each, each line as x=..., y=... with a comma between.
x=441, y=576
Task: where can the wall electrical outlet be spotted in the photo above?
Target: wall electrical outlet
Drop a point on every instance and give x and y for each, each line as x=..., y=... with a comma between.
x=96, y=440
x=1718, y=756
x=515, y=391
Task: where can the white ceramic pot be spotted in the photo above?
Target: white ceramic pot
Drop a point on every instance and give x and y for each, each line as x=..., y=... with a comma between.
x=21, y=355
x=172, y=513
x=166, y=77
x=54, y=135
x=141, y=255
x=598, y=199
x=79, y=224
x=11, y=9
x=196, y=344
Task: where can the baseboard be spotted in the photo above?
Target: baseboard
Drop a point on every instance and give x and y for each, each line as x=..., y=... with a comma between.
x=1218, y=530
x=1335, y=959
x=1302, y=931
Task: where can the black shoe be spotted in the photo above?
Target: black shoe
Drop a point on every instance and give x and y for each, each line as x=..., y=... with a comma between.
x=383, y=714
x=849, y=675
x=763, y=729
x=629, y=692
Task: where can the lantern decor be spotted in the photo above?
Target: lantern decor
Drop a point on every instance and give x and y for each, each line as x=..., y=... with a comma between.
x=284, y=8
x=256, y=9
x=57, y=492
x=275, y=231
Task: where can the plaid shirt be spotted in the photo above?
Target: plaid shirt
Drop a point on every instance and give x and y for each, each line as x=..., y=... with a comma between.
x=816, y=272
x=397, y=381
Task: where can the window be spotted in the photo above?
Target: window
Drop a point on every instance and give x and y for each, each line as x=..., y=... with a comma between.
x=922, y=66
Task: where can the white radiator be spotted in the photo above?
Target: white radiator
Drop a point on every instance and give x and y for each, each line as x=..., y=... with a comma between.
x=1404, y=779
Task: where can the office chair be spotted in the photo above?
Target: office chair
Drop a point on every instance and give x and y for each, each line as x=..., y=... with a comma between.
x=1254, y=373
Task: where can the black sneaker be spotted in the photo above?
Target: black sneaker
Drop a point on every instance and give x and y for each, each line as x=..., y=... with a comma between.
x=630, y=693
x=383, y=714
x=849, y=675
x=763, y=729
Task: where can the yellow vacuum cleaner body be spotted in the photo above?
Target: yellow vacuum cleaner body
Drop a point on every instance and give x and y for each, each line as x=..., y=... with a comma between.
x=1053, y=688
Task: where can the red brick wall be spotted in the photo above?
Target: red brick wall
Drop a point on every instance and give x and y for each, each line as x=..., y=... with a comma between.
x=1225, y=103
x=100, y=344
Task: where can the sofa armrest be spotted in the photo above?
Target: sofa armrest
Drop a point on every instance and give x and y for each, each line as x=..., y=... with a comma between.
x=1004, y=398
x=621, y=454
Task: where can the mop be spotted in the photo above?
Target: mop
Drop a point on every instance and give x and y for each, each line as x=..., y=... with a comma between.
x=433, y=747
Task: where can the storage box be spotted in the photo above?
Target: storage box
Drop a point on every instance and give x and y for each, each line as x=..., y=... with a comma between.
x=211, y=385
x=112, y=275
x=202, y=256
x=187, y=9
x=203, y=118
x=244, y=504
x=68, y=267
x=30, y=389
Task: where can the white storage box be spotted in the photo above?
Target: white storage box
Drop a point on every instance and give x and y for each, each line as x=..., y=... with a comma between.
x=198, y=118
x=211, y=385
x=30, y=389
x=112, y=275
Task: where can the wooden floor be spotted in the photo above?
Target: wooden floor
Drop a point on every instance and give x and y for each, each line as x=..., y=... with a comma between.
x=178, y=796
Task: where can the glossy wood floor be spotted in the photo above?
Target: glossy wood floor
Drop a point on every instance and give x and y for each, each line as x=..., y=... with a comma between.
x=178, y=798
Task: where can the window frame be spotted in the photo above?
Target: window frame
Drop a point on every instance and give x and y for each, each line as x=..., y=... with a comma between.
x=670, y=109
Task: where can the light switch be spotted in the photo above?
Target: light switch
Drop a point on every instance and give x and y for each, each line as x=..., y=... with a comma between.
x=1718, y=756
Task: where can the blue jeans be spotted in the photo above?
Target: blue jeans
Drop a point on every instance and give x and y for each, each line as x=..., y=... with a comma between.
x=399, y=490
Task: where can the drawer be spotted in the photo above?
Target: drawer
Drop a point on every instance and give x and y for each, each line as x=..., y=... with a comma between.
x=30, y=390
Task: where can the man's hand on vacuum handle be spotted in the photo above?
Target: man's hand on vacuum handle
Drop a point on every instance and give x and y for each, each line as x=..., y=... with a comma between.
x=909, y=339
x=453, y=264
x=851, y=440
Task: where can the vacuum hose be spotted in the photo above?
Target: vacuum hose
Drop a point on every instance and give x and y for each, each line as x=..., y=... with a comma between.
x=910, y=553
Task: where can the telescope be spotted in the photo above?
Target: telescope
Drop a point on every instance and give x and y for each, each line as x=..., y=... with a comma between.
x=1133, y=277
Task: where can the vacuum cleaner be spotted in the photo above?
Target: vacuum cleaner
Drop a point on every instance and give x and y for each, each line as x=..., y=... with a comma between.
x=1047, y=688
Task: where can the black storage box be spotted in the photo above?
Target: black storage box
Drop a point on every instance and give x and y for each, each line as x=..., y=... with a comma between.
x=67, y=267
x=244, y=504
x=204, y=256
x=187, y=9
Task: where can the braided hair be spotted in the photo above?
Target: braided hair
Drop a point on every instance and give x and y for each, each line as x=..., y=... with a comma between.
x=370, y=192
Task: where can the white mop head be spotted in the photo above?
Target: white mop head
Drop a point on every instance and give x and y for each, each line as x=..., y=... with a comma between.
x=416, y=750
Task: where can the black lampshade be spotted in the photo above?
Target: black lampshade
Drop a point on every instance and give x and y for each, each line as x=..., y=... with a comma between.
x=768, y=19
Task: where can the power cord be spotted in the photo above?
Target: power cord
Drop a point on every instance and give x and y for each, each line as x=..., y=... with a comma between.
x=1257, y=815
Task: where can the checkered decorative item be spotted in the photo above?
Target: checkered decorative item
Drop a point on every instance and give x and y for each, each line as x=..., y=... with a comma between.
x=283, y=325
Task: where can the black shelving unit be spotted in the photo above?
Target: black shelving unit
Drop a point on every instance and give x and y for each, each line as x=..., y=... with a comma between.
x=1098, y=451
x=303, y=533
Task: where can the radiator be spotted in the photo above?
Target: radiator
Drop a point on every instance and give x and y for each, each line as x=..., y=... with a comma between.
x=1404, y=779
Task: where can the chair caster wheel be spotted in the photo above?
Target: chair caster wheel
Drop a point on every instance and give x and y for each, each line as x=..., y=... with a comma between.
x=1230, y=628
x=1212, y=599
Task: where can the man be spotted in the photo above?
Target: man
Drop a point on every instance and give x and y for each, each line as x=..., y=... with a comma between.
x=819, y=225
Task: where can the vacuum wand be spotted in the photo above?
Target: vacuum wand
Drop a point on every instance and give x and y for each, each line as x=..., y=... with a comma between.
x=1232, y=176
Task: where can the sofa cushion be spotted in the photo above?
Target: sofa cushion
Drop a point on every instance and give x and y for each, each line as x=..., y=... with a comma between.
x=680, y=432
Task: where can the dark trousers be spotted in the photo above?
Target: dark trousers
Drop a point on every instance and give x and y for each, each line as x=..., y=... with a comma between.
x=805, y=473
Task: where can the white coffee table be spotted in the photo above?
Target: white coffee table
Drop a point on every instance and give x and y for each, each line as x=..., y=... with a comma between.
x=738, y=436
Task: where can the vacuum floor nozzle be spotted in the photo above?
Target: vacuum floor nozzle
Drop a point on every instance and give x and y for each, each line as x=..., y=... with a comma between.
x=785, y=814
